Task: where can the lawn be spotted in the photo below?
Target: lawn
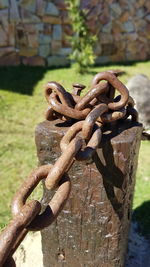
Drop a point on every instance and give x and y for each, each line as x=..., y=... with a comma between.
x=22, y=107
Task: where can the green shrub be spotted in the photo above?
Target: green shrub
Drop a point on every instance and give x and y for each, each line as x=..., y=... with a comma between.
x=82, y=41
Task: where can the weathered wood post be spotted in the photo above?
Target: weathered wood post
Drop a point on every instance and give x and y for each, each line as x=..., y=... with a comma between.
x=92, y=229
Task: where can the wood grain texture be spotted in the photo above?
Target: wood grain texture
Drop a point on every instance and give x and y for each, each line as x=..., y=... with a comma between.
x=92, y=229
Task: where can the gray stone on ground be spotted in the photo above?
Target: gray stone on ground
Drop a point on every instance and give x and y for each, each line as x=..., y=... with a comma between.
x=139, y=88
x=138, y=249
x=29, y=253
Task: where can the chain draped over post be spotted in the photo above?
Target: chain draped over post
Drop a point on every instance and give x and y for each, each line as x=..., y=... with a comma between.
x=87, y=115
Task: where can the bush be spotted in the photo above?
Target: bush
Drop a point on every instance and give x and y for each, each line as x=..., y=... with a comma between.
x=82, y=41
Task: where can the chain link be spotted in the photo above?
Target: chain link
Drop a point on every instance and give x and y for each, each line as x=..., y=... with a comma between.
x=88, y=114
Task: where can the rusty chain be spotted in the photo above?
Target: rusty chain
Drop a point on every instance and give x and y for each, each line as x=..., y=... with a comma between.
x=87, y=114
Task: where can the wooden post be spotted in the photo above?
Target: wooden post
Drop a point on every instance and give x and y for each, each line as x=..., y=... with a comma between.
x=92, y=229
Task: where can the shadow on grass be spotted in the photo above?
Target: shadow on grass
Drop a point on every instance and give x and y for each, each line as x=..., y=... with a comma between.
x=20, y=79
x=142, y=215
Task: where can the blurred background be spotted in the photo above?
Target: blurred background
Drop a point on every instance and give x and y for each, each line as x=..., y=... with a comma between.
x=67, y=41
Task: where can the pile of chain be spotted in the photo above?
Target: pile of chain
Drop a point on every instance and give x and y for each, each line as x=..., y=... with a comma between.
x=87, y=115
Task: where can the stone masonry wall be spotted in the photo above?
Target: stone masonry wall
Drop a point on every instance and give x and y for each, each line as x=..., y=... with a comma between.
x=33, y=32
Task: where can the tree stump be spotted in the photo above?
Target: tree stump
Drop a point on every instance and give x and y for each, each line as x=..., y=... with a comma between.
x=92, y=229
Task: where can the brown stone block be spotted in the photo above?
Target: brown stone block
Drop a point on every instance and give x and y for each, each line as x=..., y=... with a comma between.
x=7, y=50
x=51, y=19
x=28, y=51
x=119, y=37
x=147, y=4
x=104, y=17
x=91, y=24
x=121, y=46
x=11, y=34
x=47, y=29
x=30, y=28
x=140, y=54
x=65, y=41
x=67, y=29
x=131, y=56
x=116, y=27
x=118, y=57
x=3, y=37
x=132, y=47
x=140, y=3
x=60, y=4
x=109, y=49
x=123, y=4
x=21, y=36
x=94, y=2
x=11, y=59
x=55, y=46
x=143, y=53
x=28, y=16
x=110, y=1
x=33, y=61
x=131, y=36
x=147, y=30
x=125, y=16
x=140, y=25
x=65, y=18
x=142, y=39
x=105, y=38
x=4, y=18
x=40, y=7
x=33, y=40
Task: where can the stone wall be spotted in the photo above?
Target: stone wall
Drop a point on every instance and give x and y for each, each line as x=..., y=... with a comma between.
x=33, y=32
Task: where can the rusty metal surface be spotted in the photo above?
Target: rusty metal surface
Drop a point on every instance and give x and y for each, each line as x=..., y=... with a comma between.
x=92, y=144
x=116, y=83
x=11, y=233
x=94, y=110
x=91, y=118
x=77, y=88
x=63, y=163
x=26, y=215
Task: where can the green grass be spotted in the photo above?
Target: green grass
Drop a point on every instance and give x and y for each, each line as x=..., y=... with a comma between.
x=22, y=107
x=141, y=204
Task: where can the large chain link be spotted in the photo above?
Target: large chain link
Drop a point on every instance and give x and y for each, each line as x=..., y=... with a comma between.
x=87, y=115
